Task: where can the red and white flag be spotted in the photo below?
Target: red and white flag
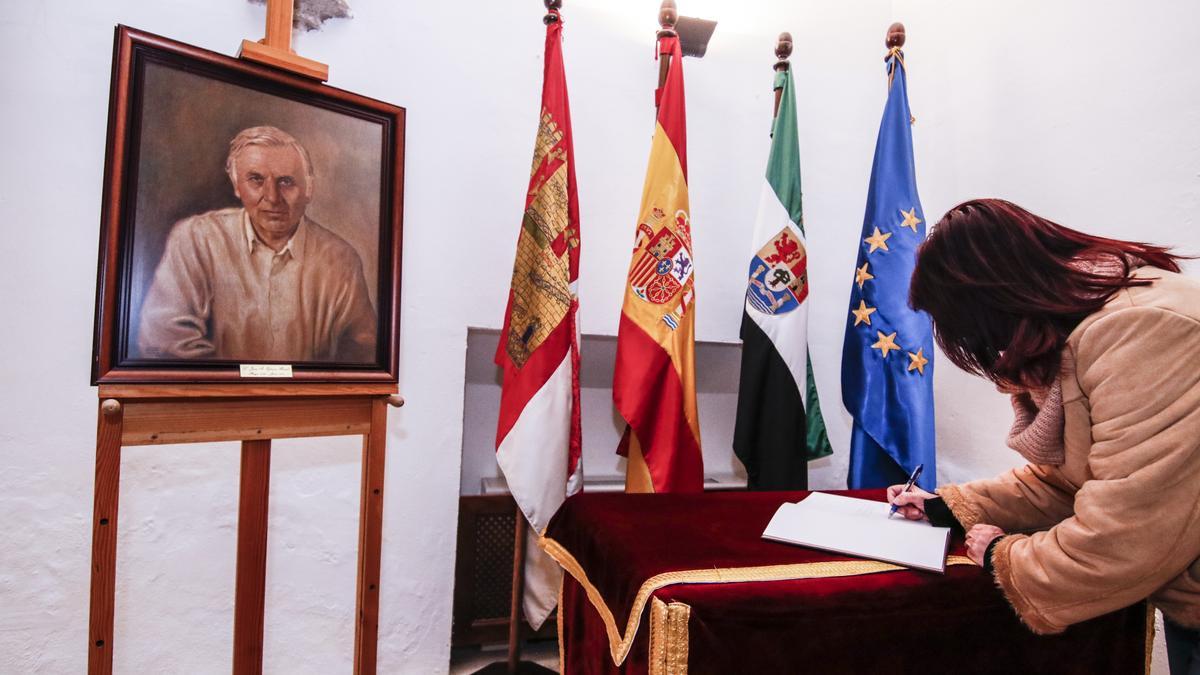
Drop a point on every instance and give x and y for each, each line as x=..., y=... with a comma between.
x=538, y=436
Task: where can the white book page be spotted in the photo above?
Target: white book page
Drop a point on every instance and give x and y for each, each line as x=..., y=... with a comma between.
x=861, y=528
x=851, y=506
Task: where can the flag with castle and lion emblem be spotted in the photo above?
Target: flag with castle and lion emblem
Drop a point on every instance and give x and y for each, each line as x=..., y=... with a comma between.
x=779, y=426
x=654, y=386
x=538, y=435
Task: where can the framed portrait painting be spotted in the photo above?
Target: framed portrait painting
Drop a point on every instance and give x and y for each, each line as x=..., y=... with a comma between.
x=251, y=223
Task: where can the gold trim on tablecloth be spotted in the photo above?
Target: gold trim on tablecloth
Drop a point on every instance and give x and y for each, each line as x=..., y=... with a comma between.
x=1149, y=634
x=669, y=637
x=562, y=654
x=619, y=645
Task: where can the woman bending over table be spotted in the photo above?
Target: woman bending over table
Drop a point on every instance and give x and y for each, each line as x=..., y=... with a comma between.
x=1098, y=343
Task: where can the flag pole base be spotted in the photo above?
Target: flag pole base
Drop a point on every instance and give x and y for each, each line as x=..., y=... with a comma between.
x=521, y=526
x=522, y=668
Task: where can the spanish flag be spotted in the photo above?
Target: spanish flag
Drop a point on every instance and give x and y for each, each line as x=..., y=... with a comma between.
x=654, y=386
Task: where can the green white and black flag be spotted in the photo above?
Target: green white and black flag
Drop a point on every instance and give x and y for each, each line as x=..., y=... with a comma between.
x=779, y=426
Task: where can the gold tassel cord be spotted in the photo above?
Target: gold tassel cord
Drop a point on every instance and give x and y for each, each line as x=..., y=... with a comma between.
x=894, y=53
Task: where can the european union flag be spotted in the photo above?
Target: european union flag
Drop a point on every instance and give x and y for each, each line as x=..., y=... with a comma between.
x=887, y=358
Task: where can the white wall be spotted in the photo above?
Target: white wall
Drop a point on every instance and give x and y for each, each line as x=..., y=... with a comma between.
x=1085, y=112
x=716, y=401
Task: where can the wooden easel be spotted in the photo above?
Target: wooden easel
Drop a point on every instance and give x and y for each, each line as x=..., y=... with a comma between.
x=252, y=414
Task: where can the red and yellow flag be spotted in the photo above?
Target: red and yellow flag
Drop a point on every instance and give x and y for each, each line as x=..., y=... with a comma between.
x=654, y=386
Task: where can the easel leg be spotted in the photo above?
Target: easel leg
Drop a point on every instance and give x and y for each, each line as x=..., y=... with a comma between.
x=249, y=602
x=370, y=538
x=518, y=592
x=104, y=538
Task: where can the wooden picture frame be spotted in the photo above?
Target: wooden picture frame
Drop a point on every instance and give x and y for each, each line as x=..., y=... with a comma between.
x=194, y=279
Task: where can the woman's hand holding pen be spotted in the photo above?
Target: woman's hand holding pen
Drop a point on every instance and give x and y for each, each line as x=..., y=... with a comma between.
x=910, y=504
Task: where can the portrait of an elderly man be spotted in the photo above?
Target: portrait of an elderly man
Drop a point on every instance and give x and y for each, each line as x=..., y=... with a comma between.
x=261, y=281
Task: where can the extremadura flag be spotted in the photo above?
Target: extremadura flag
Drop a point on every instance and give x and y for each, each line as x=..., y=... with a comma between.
x=779, y=425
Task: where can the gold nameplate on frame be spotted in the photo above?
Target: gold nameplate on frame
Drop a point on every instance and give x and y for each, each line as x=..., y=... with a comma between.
x=265, y=370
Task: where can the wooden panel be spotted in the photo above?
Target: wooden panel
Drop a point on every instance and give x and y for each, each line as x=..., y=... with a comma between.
x=249, y=602
x=247, y=390
x=370, y=537
x=104, y=539
x=161, y=422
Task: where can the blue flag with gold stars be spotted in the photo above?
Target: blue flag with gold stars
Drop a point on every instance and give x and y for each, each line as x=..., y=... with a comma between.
x=887, y=358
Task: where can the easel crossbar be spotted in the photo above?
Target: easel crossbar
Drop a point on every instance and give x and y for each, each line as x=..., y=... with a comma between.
x=200, y=421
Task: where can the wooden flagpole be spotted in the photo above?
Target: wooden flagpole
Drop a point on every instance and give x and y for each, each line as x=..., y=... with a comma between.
x=668, y=15
x=520, y=525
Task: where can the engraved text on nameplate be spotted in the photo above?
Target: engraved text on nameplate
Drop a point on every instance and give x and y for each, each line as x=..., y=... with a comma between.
x=266, y=370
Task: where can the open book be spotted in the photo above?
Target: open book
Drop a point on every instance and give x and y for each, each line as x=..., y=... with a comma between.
x=861, y=528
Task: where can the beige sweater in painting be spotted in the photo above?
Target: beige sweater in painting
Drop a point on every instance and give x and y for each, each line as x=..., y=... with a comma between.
x=219, y=293
x=1119, y=520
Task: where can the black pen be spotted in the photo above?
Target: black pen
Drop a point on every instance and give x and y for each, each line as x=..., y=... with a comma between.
x=907, y=486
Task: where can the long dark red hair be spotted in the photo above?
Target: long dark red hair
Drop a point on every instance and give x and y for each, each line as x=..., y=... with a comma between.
x=1006, y=287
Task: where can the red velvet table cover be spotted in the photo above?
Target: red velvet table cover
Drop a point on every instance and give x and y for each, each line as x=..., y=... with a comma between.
x=904, y=621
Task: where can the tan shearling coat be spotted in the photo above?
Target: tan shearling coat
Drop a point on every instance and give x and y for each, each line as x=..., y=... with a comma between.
x=1119, y=520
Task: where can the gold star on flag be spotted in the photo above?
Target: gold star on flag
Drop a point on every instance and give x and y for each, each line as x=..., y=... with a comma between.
x=862, y=275
x=863, y=313
x=886, y=343
x=910, y=218
x=918, y=361
x=878, y=240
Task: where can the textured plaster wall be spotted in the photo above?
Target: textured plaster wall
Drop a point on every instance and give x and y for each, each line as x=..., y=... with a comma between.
x=1087, y=112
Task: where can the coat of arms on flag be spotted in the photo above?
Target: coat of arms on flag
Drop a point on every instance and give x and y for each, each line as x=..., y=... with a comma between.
x=541, y=291
x=662, y=271
x=779, y=425
x=778, y=276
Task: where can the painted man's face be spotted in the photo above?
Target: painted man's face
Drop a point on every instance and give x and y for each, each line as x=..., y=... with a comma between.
x=273, y=186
